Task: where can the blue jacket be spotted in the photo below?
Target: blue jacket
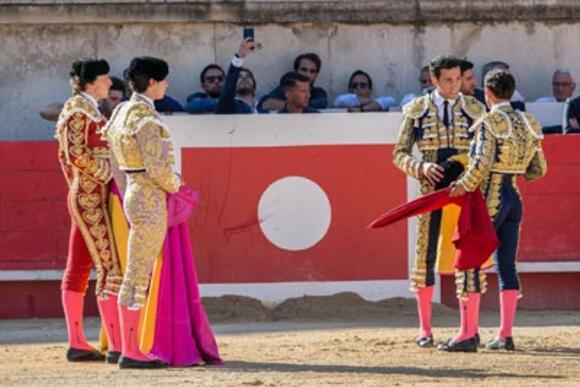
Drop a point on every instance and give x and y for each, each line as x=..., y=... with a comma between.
x=228, y=104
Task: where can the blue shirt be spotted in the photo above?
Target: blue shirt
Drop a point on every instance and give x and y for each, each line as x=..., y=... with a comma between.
x=168, y=104
x=199, y=103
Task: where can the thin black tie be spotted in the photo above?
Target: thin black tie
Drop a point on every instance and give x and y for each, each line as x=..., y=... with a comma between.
x=446, y=113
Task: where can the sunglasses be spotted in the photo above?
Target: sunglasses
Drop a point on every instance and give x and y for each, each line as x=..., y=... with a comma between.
x=307, y=70
x=214, y=78
x=362, y=85
x=562, y=84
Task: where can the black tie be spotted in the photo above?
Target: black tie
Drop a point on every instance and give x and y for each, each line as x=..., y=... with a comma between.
x=446, y=113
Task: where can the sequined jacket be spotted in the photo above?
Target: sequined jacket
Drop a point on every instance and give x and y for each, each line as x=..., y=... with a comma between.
x=81, y=150
x=507, y=141
x=140, y=141
x=422, y=126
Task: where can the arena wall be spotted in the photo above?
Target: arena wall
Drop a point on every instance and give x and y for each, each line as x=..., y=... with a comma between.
x=268, y=184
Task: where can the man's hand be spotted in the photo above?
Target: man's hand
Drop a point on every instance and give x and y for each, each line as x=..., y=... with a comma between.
x=574, y=123
x=246, y=47
x=457, y=189
x=432, y=172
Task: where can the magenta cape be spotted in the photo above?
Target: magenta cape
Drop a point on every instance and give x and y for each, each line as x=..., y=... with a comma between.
x=183, y=335
x=475, y=238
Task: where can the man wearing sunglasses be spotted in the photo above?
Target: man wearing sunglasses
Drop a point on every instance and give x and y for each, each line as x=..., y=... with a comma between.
x=359, y=98
x=307, y=65
x=211, y=78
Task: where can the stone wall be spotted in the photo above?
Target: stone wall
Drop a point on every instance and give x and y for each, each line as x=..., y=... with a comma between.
x=389, y=39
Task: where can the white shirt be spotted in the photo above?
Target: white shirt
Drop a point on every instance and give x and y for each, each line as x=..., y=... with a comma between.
x=500, y=105
x=147, y=99
x=91, y=99
x=439, y=101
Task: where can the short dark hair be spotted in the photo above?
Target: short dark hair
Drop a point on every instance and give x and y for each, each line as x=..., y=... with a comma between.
x=501, y=83
x=311, y=57
x=496, y=64
x=210, y=66
x=443, y=62
x=118, y=85
x=144, y=68
x=290, y=79
x=360, y=72
x=465, y=65
x=247, y=70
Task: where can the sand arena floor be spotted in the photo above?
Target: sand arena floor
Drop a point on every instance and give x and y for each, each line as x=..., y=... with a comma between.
x=315, y=341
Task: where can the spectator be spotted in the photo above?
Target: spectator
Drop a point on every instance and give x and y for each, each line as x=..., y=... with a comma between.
x=468, y=81
x=211, y=78
x=359, y=98
x=309, y=66
x=517, y=101
x=115, y=97
x=296, y=89
x=239, y=91
x=425, y=85
x=563, y=86
x=574, y=116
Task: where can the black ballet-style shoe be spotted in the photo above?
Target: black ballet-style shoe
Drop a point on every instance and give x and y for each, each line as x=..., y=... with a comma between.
x=477, y=339
x=498, y=343
x=425, y=342
x=112, y=357
x=468, y=345
x=74, y=354
x=127, y=362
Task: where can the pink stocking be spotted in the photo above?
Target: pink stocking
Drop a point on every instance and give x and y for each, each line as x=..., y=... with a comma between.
x=508, y=305
x=110, y=317
x=424, y=298
x=73, y=304
x=130, y=333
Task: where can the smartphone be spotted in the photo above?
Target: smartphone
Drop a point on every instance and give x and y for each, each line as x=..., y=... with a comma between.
x=249, y=33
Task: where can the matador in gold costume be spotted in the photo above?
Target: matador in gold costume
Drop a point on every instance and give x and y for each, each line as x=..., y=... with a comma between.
x=143, y=151
x=507, y=144
x=438, y=123
x=84, y=158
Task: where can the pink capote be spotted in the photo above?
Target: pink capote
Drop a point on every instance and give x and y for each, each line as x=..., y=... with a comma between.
x=183, y=335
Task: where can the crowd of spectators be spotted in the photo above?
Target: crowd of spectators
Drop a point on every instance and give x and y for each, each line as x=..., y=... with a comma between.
x=234, y=91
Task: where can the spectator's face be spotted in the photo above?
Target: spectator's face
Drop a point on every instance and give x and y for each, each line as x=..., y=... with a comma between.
x=360, y=85
x=245, y=84
x=99, y=88
x=468, y=82
x=449, y=82
x=299, y=95
x=110, y=103
x=308, y=69
x=212, y=82
x=425, y=80
x=115, y=97
x=563, y=86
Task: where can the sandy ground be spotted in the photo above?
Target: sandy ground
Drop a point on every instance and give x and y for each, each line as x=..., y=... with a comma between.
x=315, y=341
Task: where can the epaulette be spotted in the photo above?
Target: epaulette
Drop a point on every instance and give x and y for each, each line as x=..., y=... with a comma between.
x=531, y=124
x=138, y=115
x=472, y=107
x=78, y=103
x=417, y=107
x=498, y=123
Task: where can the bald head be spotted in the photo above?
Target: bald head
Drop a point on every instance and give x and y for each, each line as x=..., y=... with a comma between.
x=563, y=85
